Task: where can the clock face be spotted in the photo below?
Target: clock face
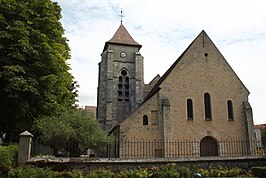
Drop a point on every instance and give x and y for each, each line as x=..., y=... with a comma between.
x=123, y=54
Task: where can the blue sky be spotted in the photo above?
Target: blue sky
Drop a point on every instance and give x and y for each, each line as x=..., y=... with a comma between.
x=165, y=28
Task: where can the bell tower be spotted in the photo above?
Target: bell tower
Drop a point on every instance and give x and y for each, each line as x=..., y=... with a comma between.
x=120, y=79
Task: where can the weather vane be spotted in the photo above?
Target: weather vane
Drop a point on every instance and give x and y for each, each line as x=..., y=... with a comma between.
x=121, y=16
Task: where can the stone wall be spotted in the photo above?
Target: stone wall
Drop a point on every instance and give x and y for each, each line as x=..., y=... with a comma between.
x=121, y=164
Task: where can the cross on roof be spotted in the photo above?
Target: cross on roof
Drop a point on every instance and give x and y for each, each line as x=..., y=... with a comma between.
x=121, y=16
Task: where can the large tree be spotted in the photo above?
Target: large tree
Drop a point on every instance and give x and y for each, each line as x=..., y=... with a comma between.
x=34, y=74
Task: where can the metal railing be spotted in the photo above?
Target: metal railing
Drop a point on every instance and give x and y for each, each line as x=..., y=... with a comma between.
x=153, y=148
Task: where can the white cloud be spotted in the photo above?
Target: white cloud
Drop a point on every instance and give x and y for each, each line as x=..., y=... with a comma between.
x=165, y=28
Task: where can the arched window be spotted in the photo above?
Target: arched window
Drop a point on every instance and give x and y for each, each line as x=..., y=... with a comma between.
x=145, y=120
x=189, y=109
x=123, y=86
x=230, y=110
x=207, y=106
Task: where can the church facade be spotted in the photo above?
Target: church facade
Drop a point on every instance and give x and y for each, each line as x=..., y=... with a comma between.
x=198, y=98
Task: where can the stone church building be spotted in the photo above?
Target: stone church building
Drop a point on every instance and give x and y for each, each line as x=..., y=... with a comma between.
x=198, y=98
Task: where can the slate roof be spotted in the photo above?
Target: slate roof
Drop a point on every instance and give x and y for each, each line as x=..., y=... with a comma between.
x=122, y=36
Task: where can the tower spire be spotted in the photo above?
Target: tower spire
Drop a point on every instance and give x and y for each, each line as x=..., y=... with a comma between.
x=121, y=16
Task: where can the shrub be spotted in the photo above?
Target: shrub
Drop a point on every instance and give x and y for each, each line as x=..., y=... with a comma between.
x=169, y=170
x=32, y=172
x=220, y=171
x=106, y=173
x=71, y=174
x=259, y=172
x=36, y=172
x=8, y=158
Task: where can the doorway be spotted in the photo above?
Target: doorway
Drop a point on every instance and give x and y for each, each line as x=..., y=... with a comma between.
x=208, y=147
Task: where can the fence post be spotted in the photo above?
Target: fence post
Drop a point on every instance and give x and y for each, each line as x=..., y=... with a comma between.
x=24, y=147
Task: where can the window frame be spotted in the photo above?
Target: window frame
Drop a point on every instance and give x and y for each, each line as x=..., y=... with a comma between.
x=145, y=120
x=123, y=86
x=207, y=106
x=190, y=114
x=230, y=110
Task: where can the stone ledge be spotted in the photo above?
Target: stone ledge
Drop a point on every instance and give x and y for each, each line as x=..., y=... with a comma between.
x=139, y=160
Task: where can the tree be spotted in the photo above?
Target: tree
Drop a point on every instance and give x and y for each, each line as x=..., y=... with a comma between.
x=78, y=126
x=34, y=76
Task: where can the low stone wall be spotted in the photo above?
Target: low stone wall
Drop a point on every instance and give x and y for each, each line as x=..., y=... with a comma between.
x=85, y=164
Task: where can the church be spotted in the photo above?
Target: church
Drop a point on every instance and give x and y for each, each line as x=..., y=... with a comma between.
x=199, y=101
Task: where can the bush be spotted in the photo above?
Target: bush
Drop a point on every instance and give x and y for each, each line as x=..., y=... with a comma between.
x=32, y=172
x=8, y=158
x=36, y=172
x=220, y=171
x=106, y=173
x=167, y=171
x=259, y=172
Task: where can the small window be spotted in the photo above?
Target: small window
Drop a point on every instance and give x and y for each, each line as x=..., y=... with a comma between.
x=127, y=80
x=120, y=96
x=230, y=110
x=120, y=87
x=127, y=94
x=207, y=106
x=145, y=120
x=127, y=87
x=189, y=109
x=120, y=79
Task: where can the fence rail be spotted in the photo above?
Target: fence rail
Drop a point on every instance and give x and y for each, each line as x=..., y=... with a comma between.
x=153, y=148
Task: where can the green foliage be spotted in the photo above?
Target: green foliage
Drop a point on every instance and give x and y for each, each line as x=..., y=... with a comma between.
x=32, y=172
x=36, y=172
x=139, y=172
x=168, y=171
x=259, y=172
x=101, y=173
x=78, y=125
x=71, y=174
x=8, y=158
x=34, y=74
x=220, y=171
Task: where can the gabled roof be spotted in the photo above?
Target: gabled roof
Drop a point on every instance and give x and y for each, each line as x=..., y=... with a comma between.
x=156, y=87
x=122, y=36
x=148, y=87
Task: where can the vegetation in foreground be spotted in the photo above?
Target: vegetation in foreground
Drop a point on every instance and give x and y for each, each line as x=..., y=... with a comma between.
x=9, y=169
x=168, y=171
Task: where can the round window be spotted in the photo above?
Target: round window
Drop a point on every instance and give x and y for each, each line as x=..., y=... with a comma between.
x=124, y=73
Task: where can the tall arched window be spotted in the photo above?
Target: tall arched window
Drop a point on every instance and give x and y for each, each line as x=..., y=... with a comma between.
x=189, y=109
x=145, y=120
x=230, y=110
x=207, y=105
x=123, y=86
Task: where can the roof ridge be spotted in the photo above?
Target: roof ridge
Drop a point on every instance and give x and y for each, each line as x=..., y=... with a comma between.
x=156, y=86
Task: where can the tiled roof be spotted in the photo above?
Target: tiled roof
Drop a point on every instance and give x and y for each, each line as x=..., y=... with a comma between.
x=122, y=36
x=148, y=87
x=260, y=126
x=92, y=109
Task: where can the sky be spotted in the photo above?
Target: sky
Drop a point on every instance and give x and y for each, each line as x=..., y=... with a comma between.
x=165, y=28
